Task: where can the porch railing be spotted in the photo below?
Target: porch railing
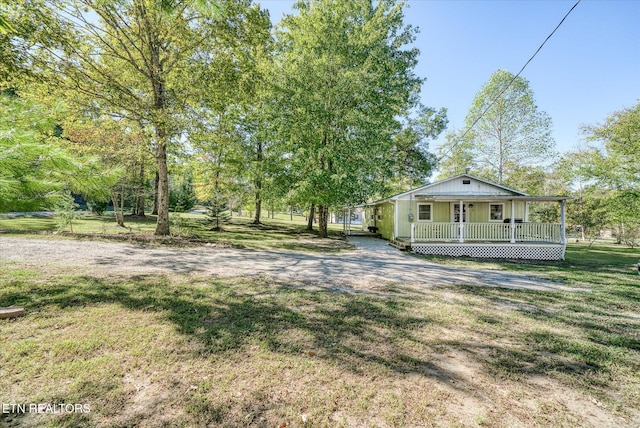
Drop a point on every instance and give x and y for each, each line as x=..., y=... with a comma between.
x=493, y=232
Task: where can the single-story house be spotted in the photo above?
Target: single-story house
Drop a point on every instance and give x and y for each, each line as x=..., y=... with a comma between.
x=467, y=216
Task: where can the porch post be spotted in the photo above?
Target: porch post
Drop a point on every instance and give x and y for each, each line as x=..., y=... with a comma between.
x=513, y=221
x=413, y=232
x=461, y=212
x=347, y=221
x=563, y=237
x=395, y=220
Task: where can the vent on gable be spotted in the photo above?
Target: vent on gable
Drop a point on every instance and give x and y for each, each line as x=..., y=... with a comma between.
x=466, y=181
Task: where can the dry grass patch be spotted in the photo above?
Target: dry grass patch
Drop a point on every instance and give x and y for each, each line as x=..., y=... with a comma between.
x=189, y=351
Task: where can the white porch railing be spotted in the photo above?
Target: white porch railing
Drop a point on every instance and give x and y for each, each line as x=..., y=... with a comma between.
x=494, y=232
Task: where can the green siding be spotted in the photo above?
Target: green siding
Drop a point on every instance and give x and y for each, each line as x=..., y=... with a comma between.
x=478, y=213
x=383, y=219
x=404, y=226
x=387, y=221
x=441, y=213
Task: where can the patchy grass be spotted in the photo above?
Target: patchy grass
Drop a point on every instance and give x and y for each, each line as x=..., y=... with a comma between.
x=153, y=350
x=279, y=233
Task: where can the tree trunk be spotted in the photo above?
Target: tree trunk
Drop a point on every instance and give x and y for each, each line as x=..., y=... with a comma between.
x=312, y=213
x=157, y=80
x=140, y=204
x=258, y=181
x=117, y=209
x=256, y=219
x=323, y=214
x=154, y=210
x=162, y=225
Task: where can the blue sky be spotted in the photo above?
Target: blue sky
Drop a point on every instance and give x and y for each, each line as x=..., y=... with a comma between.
x=589, y=69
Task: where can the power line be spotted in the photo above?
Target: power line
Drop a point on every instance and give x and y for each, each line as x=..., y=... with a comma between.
x=510, y=82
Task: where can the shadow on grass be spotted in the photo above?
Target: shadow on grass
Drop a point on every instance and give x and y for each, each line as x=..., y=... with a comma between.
x=365, y=332
x=225, y=318
x=579, y=338
x=357, y=333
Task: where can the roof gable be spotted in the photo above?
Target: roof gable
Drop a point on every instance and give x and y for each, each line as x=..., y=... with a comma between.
x=460, y=185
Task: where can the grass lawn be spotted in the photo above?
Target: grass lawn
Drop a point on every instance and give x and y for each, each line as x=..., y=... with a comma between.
x=280, y=233
x=149, y=350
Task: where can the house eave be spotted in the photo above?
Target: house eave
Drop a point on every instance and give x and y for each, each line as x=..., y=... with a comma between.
x=490, y=198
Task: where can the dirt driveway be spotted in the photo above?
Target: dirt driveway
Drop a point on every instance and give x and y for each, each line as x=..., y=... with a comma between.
x=372, y=262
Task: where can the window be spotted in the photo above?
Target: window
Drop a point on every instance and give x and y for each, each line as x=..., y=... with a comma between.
x=466, y=181
x=496, y=212
x=424, y=212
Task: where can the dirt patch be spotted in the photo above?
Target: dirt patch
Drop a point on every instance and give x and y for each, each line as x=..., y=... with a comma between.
x=374, y=264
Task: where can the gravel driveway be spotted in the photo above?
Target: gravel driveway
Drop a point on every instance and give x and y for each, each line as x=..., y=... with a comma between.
x=371, y=263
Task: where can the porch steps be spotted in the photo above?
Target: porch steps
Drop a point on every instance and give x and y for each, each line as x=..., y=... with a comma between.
x=400, y=245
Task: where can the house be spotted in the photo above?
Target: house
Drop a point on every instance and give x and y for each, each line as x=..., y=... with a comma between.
x=467, y=216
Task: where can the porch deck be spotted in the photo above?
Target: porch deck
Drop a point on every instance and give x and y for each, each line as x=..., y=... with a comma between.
x=548, y=233
x=532, y=241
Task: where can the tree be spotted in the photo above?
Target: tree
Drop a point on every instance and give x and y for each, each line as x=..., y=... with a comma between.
x=218, y=211
x=344, y=80
x=230, y=138
x=133, y=62
x=36, y=172
x=182, y=196
x=505, y=130
x=414, y=162
x=119, y=146
x=613, y=166
x=619, y=139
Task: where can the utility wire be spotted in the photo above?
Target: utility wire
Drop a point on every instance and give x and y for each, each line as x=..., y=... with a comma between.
x=510, y=82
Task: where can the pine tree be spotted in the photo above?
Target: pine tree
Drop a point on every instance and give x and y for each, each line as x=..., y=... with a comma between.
x=218, y=211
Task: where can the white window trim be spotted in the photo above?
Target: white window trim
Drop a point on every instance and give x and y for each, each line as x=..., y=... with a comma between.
x=452, y=212
x=430, y=213
x=496, y=221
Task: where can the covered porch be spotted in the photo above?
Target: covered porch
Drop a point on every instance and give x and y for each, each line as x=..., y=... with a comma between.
x=507, y=234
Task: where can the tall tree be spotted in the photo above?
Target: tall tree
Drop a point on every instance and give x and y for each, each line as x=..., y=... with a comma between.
x=619, y=145
x=345, y=78
x=613, y=165
x=505, y=130
x=230, y=136
x=118, y=146
x=414, y=161
x=129, y=59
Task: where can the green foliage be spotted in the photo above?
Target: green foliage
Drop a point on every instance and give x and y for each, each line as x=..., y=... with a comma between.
x=66, y=213
x=182, y=196
x=414, y=162
x=97, y=206
x=134, y=60
x=218, y=211
x=615, y=161
x=344, y=79
x=35, y=171
x=507, y=135
x=607, y=176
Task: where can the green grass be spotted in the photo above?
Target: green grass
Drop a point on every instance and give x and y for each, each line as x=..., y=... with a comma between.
x=280, y=233
x=149, y=350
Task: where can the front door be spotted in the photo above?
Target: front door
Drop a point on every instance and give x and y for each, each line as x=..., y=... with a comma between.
x=456, y=213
